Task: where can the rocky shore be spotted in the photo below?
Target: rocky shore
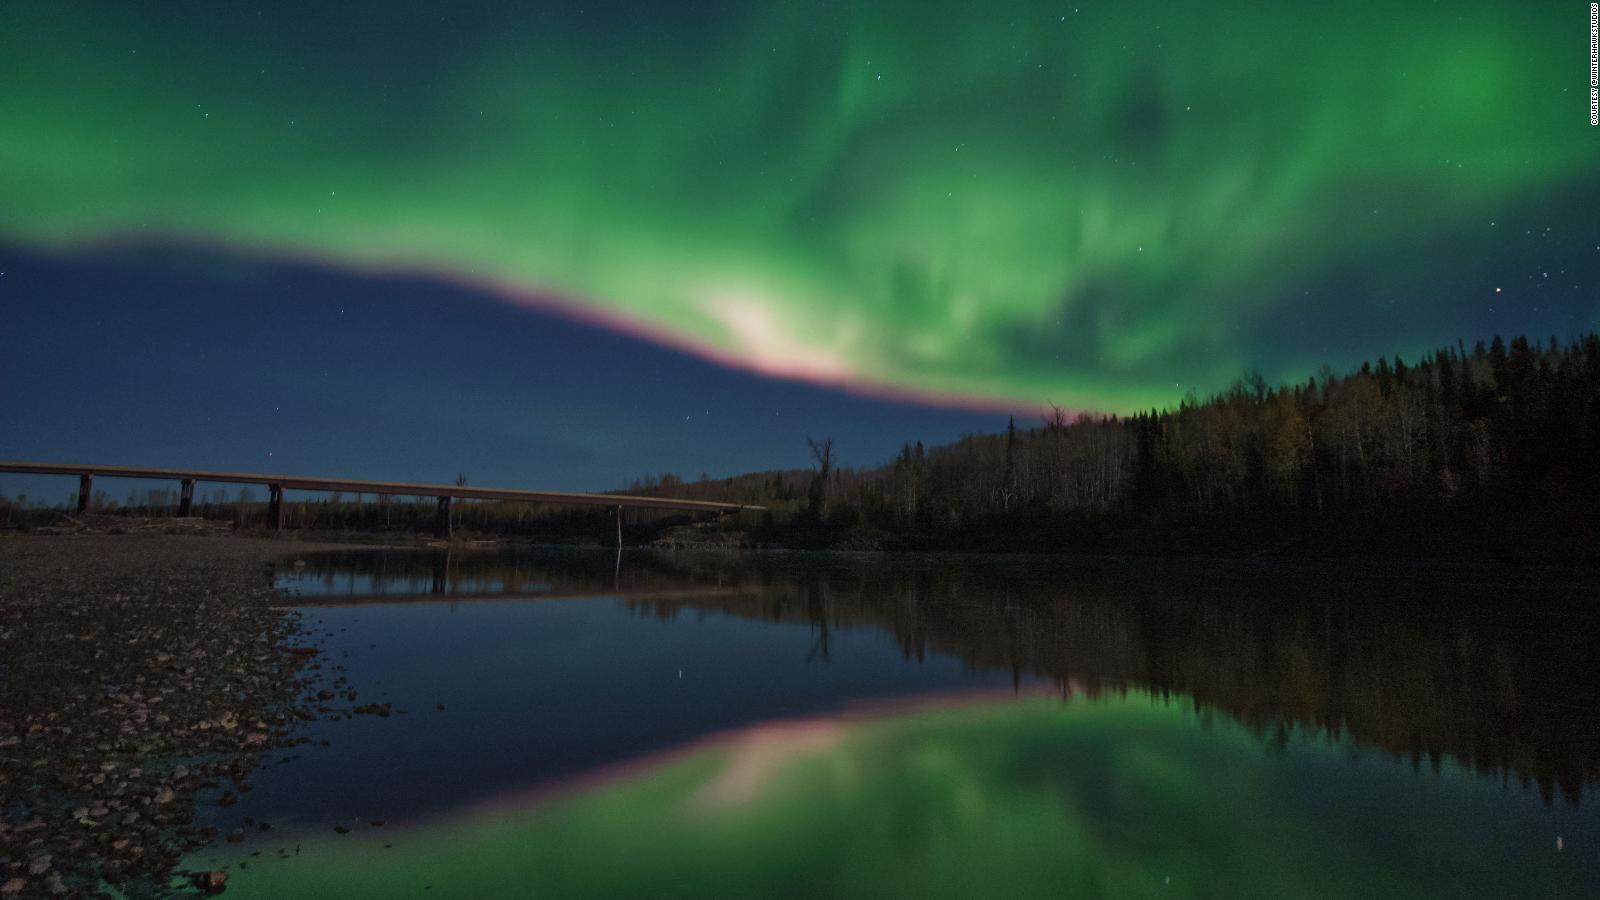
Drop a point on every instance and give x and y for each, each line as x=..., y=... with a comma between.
x=140, y=675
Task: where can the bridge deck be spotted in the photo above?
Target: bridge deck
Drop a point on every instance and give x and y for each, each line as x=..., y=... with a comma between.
x=279, y=483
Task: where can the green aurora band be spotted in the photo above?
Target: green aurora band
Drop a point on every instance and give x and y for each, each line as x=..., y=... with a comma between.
x=1124, y=797
x=1095, y=205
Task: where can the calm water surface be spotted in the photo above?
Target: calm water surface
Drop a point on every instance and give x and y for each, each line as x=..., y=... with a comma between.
x=578, y=724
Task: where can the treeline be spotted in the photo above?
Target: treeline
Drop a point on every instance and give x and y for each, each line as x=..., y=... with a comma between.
x=1464, y=451
x=1487, y=450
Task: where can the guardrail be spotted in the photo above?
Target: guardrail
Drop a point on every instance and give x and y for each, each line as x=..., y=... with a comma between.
x=277, y=484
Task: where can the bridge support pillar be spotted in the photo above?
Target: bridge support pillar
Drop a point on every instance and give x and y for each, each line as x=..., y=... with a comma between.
x=186, y=498
x=85, y=488
x=275, y=507
x=441, y=520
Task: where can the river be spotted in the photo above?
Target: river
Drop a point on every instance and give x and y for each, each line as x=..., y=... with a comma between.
x=569, y=724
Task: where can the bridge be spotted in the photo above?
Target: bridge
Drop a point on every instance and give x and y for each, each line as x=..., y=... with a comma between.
x=277, y=484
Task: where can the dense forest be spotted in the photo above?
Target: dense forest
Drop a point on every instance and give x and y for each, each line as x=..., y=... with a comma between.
x=1488, y=450
x=1465, y=451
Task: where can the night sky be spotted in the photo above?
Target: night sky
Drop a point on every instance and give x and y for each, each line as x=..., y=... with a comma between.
x=562, y=245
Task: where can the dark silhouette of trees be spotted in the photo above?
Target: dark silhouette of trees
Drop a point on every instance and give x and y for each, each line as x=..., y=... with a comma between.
x=822, y=485
x=1493, y=449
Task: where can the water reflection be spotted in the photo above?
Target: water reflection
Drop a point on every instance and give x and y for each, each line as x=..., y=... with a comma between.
x=1490, y=671
x=583, y=724
x=1126, y=796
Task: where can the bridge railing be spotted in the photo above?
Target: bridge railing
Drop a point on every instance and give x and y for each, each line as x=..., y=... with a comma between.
x=277, y=484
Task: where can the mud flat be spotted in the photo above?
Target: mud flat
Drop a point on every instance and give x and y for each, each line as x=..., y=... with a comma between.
x=140, y=675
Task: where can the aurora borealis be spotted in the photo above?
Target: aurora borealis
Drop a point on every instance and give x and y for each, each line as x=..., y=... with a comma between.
x=1096, y=205
x=1038, y=566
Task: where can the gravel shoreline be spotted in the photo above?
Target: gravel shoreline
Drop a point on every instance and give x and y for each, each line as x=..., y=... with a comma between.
x=139, y=675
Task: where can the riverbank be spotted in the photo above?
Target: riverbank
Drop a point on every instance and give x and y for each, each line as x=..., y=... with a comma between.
x=140, y=674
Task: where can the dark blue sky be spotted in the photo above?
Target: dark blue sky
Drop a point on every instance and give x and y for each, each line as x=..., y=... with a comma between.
x=168, y=357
